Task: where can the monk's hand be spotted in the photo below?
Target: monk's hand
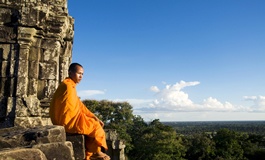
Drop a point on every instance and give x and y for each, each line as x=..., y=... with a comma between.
x=101, y=123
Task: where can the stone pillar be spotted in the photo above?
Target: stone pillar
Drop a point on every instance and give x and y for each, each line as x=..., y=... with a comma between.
x=36, y=39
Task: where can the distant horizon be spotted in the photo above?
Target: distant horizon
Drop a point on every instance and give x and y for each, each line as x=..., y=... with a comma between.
x=221, y=121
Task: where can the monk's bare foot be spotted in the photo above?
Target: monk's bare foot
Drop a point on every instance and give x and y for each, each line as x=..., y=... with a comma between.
x=100, y=156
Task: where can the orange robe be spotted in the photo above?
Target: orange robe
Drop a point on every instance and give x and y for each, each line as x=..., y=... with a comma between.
x=66, y=109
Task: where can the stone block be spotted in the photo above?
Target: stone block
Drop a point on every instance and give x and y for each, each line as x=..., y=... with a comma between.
x=23, y=68
x=47, y=71
x=32, y=104
x=59, y=150
x=67, y=51
x=38, y=40
x=27, y=137
x=13, y=69
x=5, y=51
x=46, y=121
x=8, y=68
x=5, y=15
x=7, y=34
x=33, y=69
x=34, y=54
x=29, y=122
x=116, y=146
x=33, y=86
x=4, y=68
x=10, y=105
x=78, y=142
x=111, y=134
x=51, y=86
x=22, y=83
x=30, y=17
x=26, y=122
x=24, y=53
x=26, y=36
x=21, y=107
x=22, y=154
x=41, y=87
x=61, y=3
x=51, y=52
x=64, y=64
x=52, y=133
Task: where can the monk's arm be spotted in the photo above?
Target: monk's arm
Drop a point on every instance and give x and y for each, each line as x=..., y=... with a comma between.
x=85, y=110
x=88, y=113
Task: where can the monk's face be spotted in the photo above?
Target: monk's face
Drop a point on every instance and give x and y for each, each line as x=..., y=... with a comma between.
x=77, y=75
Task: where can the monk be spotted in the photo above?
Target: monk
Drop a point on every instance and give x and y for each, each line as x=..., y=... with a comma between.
x=66, y=109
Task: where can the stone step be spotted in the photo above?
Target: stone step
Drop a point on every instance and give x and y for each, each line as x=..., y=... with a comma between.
x=27, y=137
x=22, y=153
x=78, y=142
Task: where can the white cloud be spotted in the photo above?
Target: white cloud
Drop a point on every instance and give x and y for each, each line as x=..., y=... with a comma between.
x=201, y=116
x=87, y=93
x=172, y=103
x=172, y=98
x=212, y=104
x=154, y=89
x=259, y=103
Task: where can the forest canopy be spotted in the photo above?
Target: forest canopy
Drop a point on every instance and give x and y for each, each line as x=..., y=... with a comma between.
x=157, y=140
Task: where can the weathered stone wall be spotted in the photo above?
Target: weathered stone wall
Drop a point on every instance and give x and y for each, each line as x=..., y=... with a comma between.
x=41, y=142
x=36, y=38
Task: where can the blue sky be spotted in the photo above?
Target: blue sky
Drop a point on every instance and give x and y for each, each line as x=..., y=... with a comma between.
x=173, y=60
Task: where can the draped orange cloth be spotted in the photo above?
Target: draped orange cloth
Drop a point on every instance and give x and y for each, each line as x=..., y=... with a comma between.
x=66, y=109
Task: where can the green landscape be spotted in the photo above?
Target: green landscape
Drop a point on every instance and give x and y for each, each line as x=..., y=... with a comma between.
x=155, y=140
x=249, y=127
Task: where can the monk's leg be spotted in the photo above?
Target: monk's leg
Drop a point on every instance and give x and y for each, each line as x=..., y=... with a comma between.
x=91, y=147
x=93, y=151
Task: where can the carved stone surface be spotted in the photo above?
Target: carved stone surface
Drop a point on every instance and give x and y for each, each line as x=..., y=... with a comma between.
x=78, y=142
x=58, y=150
x=26, y=137
x=41, y=142
x=22, y=154
x=36, y=39
x=116, y=146
x=53, y=143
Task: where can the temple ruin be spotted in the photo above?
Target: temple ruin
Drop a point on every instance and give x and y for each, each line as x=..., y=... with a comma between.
x=36, y=40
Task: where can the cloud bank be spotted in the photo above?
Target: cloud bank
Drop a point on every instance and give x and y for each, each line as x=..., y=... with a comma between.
x=173, y=98
x=171, y=103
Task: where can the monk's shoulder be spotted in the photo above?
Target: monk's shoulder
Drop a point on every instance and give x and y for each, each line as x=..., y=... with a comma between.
x=68, y=84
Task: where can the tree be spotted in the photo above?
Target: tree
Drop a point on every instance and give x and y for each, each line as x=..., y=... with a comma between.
x=200, y=147
x=253, y=147
x=156, y=142
x=228, y=145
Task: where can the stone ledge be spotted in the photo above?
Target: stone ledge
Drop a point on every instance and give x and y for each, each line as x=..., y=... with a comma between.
x=78, y=142
x=42, y=142
x=27, y=137
x=62, y=150
x=22, y=153
x=53, y=143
